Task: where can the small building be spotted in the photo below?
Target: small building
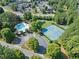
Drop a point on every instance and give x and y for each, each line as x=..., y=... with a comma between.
x=22, y=27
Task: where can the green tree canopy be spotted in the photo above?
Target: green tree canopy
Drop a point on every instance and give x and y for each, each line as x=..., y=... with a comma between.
x=5, y=2
x=14, y=7
x=73, y=42
x=8, y=19
x=74, y=53
x=7, y=53
x=36, y=57
x=71, y=31
x=66, y=11
x=33, y=44
x=54, y=51
x=27, y=15
x=36, y=26
x=7, y=34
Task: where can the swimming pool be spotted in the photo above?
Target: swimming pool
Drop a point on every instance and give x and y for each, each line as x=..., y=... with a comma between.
x=22, y=27
x=53, y=32
x=19, y=26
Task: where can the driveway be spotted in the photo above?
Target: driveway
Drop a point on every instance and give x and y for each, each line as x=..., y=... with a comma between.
x=42, y=42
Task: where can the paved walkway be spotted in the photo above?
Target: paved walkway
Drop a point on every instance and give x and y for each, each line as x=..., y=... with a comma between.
x=42, y=41
x=24, y=38
x=26, y=52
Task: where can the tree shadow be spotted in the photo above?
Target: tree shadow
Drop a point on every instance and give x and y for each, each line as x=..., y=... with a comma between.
x=42, y=50
x=16, y=41
x=65, y=56
x=26, y=57
x=44, y=30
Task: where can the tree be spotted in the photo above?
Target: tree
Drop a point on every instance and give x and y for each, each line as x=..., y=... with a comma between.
x=36, y=26
x=7, y=35
x=7, y=53
x=74, y=53
x=14, y=7
x=5, y=2
x=27, y=15
x=36, y=57
x=51, y=2
x=54, y=51
x=73, y=42
x=70, y=38
x=70, y=32
x=66, y=11
x=33, y=44
x=60, y=18
x=8, y=19
x=34, y=18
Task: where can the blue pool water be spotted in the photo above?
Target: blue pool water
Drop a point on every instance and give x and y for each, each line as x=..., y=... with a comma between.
x=53, y=32
x=21, y=27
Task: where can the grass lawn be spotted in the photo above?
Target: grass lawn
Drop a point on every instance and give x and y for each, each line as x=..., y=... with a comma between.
x=47, y=23
x=1, y=39
x=22, y=17
x=64, y=26
x=7, y=9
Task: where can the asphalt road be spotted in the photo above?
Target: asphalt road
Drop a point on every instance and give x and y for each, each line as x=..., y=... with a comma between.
x=42, y=42
x=26, y=52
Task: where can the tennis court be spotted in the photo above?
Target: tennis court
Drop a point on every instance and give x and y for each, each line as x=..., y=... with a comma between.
x=53, y=32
